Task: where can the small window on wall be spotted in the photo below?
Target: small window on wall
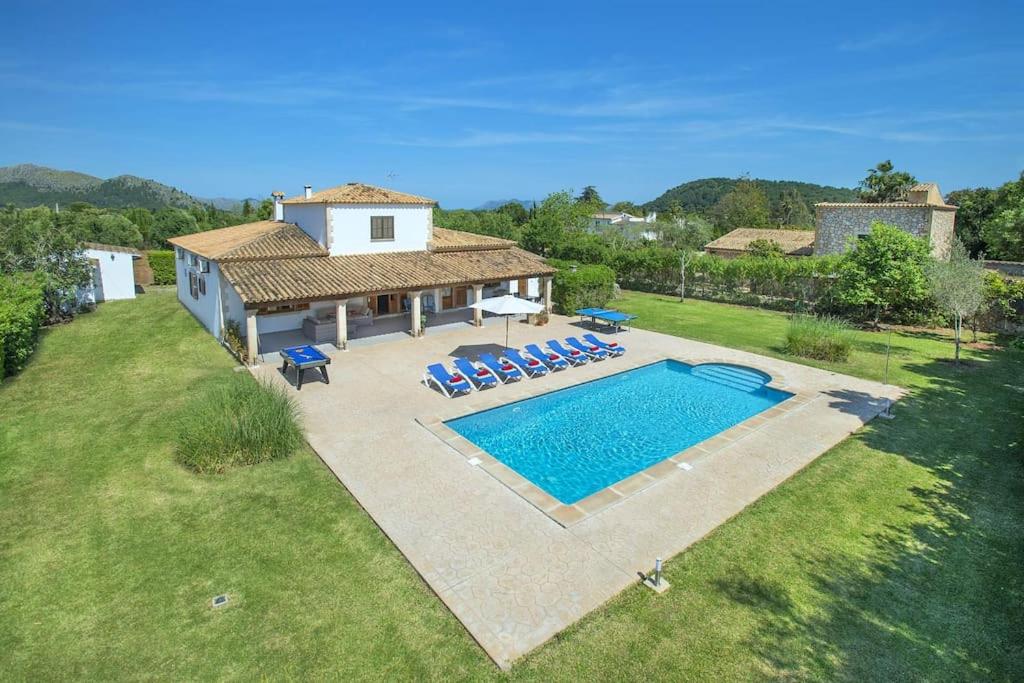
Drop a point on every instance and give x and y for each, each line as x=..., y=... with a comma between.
x=193, y=285
x=281, y=308
x=193, y=260
x=204, y=266
x=181, y=253
x=382, y=228
x=202, y=286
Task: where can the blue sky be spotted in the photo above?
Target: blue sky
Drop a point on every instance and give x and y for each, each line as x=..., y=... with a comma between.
x=467, y=103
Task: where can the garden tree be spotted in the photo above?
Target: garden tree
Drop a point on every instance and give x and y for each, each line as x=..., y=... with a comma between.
x=515, y=211
x=628, y=207
x=96, y=225
x=884, y=274
x=958, y=286
x=690, y=232
x=246, y=209
x=746, y=206
x=41, y=241
x=143, y=220
x=265, y=210
x=673, y=212
x=590, y=196
x=974, y=208
x=169, y=222
x=1003, y=232
x=763, y=248
x=883, y=184
x=792, y=209
x=556, y=216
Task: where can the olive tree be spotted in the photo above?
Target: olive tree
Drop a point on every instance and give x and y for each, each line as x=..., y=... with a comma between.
x=958, y=286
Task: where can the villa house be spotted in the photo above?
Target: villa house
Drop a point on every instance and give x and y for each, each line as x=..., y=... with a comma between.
x=345, y=262
x=923, y=214
x=600, y=222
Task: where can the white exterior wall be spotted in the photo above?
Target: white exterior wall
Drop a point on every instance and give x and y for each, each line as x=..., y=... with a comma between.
x=350, y=227
x=312, y=218
x=116, y=277
x=220, y=303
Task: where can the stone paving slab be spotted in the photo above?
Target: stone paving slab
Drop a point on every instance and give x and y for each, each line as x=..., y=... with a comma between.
x=512, y=568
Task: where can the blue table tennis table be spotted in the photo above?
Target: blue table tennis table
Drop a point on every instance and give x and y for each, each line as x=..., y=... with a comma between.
x=304, y=358
x=613, y=319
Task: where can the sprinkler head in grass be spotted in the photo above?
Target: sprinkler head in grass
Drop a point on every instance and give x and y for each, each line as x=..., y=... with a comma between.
x=219, y=601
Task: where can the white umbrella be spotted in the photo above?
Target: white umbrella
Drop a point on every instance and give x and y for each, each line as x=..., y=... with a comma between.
x=507, y=306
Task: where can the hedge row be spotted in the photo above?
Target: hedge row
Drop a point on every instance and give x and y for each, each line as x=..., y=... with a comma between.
x=162, y=263
x=577, y=287
x=22, y=312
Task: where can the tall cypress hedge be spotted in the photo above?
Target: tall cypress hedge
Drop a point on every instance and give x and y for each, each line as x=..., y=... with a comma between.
x=578, y=286
x=162, y=263
x=22, y=312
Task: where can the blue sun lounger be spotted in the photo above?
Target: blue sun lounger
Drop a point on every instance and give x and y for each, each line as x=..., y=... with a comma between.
x=479, y=377
x=609, y=318
x=506, y=372
x=614, y=348
x=533, y=368
x=574, y=356
x=592, y=350
x=552, y=360
x=449, y=384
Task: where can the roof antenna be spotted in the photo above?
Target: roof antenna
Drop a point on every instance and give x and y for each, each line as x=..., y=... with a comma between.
x=391, y=175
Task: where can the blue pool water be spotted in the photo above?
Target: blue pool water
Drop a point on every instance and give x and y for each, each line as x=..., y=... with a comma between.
x=577, y=441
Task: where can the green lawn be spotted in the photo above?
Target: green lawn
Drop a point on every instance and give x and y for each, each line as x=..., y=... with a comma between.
x=895, y=555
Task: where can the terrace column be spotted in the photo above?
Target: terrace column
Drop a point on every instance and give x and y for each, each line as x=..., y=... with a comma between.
x=416, y=308
x=546, y=284
x=252, y=337
x=438, y=302
x=478, y=295
x=341, y=322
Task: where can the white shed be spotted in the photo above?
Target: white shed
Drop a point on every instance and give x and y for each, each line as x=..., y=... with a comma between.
x=113, y=274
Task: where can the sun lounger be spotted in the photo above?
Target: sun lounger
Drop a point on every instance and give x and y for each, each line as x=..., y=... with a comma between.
x=614, y=348
x=552, y=360
x=449, y=384
x=532, y=367
x=479, y=377
x=506, y=372
x=592, y=350
x=574, y=356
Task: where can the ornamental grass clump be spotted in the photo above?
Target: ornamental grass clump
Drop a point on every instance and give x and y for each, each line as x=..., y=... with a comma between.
x=820, y=337
x=242, y=423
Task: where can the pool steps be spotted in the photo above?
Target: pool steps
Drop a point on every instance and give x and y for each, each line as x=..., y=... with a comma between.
x=737, y=378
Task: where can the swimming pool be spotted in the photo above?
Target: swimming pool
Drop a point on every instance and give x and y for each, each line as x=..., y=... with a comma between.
x=574, y=442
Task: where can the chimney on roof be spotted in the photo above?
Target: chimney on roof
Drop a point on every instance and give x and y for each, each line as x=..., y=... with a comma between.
x=308, y=191
x=278, y=206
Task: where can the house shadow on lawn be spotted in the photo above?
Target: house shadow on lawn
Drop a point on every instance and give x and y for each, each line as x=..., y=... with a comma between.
x=936, y=590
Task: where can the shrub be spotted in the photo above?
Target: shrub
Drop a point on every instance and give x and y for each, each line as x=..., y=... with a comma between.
x=22, y=312
x=242, y=423
x=822, y=338
x=162, y=263
x=233, y=340
x=582, y=286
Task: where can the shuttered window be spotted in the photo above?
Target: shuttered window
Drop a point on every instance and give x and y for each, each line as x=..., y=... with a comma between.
x=382, y=228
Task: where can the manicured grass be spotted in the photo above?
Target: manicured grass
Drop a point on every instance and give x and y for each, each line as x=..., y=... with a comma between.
x=894, y=556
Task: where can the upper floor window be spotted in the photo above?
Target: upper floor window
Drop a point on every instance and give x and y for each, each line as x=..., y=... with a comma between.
x=382, y=228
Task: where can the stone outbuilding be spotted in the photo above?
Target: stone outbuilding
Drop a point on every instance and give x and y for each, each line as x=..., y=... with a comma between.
x=923, y=214
x=737, y=242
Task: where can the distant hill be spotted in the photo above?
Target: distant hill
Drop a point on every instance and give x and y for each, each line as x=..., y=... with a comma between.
x=700, y=195
x=30, y=185
x=227, y=203
x=495, y=203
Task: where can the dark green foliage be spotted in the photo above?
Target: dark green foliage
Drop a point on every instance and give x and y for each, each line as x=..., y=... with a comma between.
x=582, y=286
x=1003, y=232
x=495, y=223
x=883, y=184
x=242, y=423
x=162, y=264
x=975, y=208
x=765, y=249
x=22, y=312
x=745, y=206
x=169, y=223
x=699, y=196
x=822, y=338
x=883, y=277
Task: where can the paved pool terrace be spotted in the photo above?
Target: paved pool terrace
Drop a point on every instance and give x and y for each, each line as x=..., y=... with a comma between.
x=514, y=566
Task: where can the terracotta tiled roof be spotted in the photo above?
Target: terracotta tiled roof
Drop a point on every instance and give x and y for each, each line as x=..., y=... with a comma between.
x=358, y=193
x=922, y=187
x=793, y=242
x=334, y=277
x=111, y=247
x=457, y=240
x=259, y=240
x=888, y=205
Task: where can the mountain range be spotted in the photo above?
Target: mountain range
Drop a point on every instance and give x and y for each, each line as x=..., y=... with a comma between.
x=698, y=196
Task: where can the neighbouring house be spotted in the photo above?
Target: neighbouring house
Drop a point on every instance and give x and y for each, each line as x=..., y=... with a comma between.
x=113, y=273
x=601, y=222
x=737, y=242
x=347, y=262
x=923, y=214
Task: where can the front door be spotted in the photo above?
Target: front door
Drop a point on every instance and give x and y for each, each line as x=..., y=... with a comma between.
x=383, y=304
x=460, y=296
x=523, y=287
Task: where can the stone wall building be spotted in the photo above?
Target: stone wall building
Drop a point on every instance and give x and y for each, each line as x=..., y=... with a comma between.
x=923, y=214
